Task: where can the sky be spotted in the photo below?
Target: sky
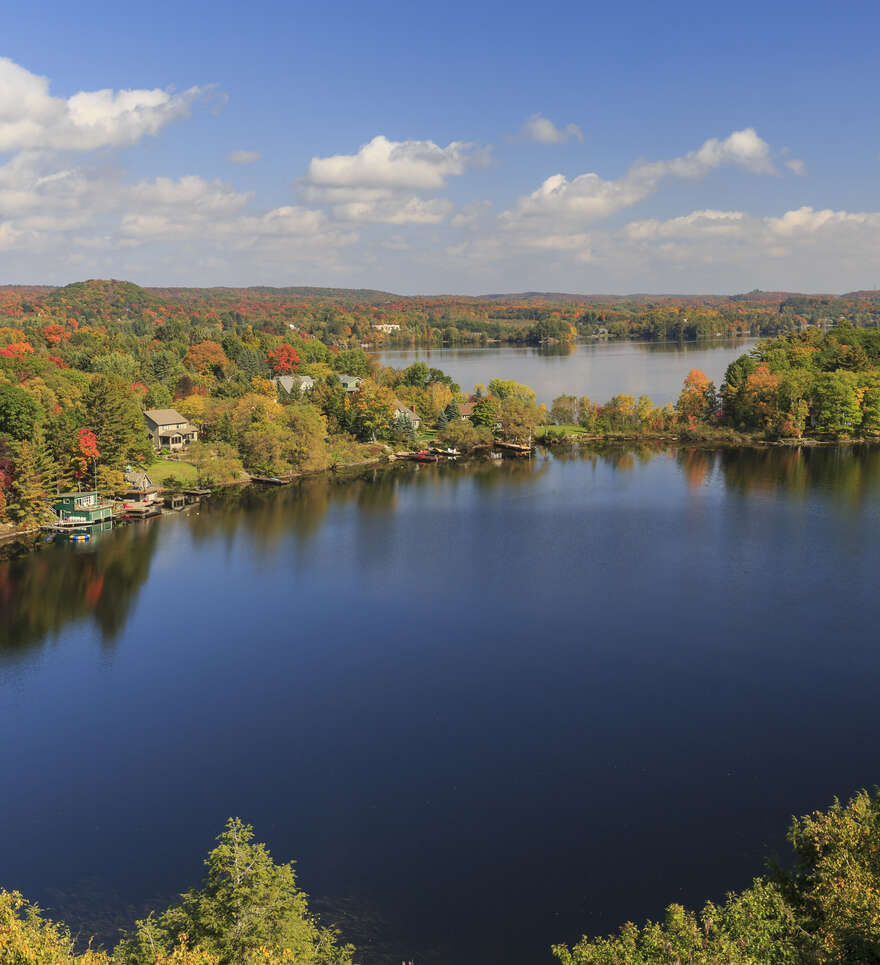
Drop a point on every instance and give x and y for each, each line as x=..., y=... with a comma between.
x=465, y=148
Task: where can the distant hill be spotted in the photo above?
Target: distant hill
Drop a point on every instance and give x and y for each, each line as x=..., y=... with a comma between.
x=102, y=300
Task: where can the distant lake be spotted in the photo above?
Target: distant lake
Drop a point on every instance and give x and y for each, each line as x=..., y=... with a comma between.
x=597, y=369
x=487, y=706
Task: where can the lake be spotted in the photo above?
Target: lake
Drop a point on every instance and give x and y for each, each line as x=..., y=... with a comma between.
x=486, y=706
x=598, y=369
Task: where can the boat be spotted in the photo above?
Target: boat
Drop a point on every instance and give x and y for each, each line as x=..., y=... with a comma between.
x=424, y=455
x=449, y=453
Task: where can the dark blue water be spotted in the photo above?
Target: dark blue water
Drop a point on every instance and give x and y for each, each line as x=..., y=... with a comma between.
x=486, y=708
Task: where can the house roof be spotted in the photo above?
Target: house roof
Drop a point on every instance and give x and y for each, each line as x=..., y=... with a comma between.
x=287, y=382
x=466, y=408
x=164, y=417
x=138, y=480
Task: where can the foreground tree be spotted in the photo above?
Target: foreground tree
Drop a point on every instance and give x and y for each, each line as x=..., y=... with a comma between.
x=248, y=909
x=826, y=911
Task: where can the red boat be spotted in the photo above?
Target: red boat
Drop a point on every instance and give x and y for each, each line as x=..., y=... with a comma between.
x=425, y=456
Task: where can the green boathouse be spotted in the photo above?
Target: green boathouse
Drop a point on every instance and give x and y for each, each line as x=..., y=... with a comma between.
x=87, y=507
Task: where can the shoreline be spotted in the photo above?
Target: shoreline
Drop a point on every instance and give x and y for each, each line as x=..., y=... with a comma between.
x=549, y=442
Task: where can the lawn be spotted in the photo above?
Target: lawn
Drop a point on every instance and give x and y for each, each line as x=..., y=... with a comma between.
x=183, y=472
x=566, y=430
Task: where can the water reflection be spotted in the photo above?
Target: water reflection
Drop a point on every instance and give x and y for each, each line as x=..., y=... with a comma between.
x=43, y=592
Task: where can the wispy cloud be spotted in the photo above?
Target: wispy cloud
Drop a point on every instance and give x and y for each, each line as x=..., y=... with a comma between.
x=244, y=157
x=544, y=131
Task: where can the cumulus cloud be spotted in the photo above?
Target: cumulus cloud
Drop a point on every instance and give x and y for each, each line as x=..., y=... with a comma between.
x=591, y=197
x=32, y=118
x=797, y=166
x=544, y=131
x=413, y=165
x=244, y=157
x=807, y=221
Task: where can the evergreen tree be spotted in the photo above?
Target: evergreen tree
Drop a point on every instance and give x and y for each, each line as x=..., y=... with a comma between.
x=113, y=412
x=248, y=908
x=34, y=479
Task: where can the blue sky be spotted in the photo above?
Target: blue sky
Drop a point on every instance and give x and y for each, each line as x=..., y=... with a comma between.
x=458, y=148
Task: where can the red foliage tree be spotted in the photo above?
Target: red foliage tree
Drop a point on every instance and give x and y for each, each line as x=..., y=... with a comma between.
x=283, y=359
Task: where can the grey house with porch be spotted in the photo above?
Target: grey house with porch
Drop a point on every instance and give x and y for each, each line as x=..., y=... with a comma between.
x=169, y=429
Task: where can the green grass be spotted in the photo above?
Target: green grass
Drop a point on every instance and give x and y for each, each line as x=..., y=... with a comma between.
x=183, y=472
x=566, y=430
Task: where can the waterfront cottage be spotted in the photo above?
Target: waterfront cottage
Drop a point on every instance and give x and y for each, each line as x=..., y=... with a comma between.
x=169, y=430
x=83, y=507
x=466, y=410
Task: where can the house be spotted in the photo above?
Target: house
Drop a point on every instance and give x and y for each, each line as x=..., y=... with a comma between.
x=294, y=384
x=387, y=328
x=466, y=409
x=351, y=383
x=84, y=507
x=139, y=489
x=169, y=430
x=406, y=413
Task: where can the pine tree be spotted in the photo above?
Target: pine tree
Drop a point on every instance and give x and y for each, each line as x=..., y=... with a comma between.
x=34, y=479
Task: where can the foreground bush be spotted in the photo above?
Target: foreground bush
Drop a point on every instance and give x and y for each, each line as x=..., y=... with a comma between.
x=248, y=910
x=826, y=911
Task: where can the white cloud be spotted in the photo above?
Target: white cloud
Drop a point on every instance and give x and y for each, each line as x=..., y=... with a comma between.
x=589, y=197
x=561, y=242
x=543, y=130
x=31, y=118
x=470, y=214
x=413, y=165
x=697, y=223
x=797, y=166
x=807, y=221
x=244, y=157
x=411, y=210
x=190, y=192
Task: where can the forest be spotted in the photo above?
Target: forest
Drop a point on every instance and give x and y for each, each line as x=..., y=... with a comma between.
x=79, y=365
x=822, y=908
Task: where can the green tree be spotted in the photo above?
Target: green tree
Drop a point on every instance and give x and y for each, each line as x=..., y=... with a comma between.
x=352, y=361
x=247, y=904
x=505, y=388
x=464, y=435
x=486, y=412
x=564, y=410
x=518, y=419
x=113, y=412
x=32, y=482
x=836, y=402
x=19, y=412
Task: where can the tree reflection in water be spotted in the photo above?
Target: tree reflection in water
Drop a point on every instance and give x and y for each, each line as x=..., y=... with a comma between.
x=42, y=592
